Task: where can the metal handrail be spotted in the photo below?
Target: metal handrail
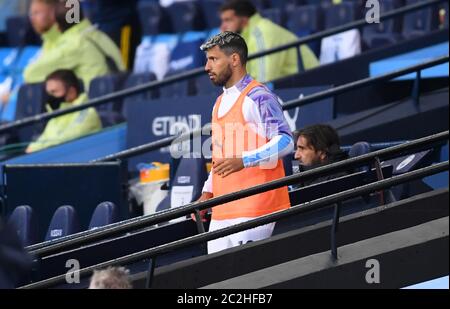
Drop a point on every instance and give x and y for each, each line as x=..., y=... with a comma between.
x=198, y=71
x=273, y=217
x=146, y=221
x=287, y=105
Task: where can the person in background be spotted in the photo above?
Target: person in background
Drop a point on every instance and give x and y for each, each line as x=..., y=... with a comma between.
x=110, y=278
x=318, y=145
x=42, y=19
x=249, y=137
x=81, y=48
x=340, y=46
x=64, y=90
x=261, y=34
x=120, y=21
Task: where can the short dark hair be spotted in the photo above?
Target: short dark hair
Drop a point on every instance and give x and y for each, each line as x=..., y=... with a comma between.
x=67, y=77
x=321, y=137
x=243, y=8
x=229, y=42
x=60, y=16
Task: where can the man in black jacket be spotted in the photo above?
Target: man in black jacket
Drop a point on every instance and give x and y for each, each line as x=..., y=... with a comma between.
x=318, y=145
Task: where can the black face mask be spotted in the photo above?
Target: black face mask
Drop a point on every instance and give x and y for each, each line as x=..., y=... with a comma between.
x=55, y=102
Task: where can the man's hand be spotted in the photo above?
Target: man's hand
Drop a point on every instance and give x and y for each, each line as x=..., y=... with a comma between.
x=225, y=167
x=205, y=196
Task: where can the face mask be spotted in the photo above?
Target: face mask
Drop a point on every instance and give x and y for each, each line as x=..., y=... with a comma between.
x=55, y=102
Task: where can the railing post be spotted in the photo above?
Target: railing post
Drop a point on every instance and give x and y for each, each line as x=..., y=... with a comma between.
x=151, y=272
x=200, y=228
x=334, y=228
x=416, y=89
x=198, y=220
x=380, y=176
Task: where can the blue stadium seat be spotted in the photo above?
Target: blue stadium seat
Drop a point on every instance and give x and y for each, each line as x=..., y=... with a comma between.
x=20, y=32
x=153, y=18
x=444, y=9
x=420, y=22
x=23, y=221
x=191, y=172
x=30, y=102
x=189, y=178
x=178, y=89
x=27, y=55
x=276, y=15
x=386, y=32
x=8, y=57
x=153, y=54
x=64, y=222
x=210, y=10
x=337, y=15
x=186, y=16
x=260, y=4
x=135, y=80
x=286, y=5
x=110, y=113
x=305, y=20
x=187, y=55
x=104, y=214
x=359, y=149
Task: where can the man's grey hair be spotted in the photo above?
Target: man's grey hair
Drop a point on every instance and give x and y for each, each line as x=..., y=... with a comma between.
x=229, y=42
x=110, y=278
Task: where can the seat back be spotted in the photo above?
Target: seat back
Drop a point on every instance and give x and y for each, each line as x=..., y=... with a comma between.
x=19, y=32
x=336, y=15
x=22, y=220
x=136, y=80
x=359, y=149
x=189, y=180
x=276, y=15
x=30, y=102
x=185, y=16
x=104, y=214
x=110, y=113
x=421, y=21
x=64, y=222
x=210, y=10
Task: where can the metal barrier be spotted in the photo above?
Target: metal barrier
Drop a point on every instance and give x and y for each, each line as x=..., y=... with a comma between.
x=79, y=239
x=198, y=71
x=201, y=238
x=288, y=105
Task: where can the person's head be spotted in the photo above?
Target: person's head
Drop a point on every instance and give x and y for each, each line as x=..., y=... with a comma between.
x=61, y=14
x=316, y=144
x=235, y=14
x=226, y=57
x=110, y=278
x=62, y=86
x=42, y=15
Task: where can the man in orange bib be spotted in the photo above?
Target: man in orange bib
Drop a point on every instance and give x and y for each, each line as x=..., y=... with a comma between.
x=249, y=137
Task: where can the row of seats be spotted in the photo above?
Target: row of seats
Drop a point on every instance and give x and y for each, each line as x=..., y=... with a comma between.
x=301, y=17
x=30, y=100
x=63, y=223
x=293, y=14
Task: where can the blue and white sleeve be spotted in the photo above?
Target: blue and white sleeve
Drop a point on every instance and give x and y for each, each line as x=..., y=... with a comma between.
x=278, y=147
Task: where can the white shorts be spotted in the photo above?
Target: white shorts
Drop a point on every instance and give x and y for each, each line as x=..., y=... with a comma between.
x=257, y=233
